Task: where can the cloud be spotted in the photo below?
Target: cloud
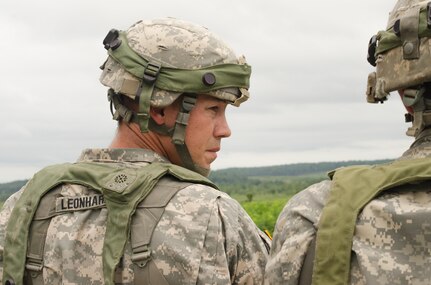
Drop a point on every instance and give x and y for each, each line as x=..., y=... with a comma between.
x=308, y=81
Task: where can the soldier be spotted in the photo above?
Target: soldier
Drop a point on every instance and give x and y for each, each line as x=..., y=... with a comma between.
x=143, y=211
x=370, y=224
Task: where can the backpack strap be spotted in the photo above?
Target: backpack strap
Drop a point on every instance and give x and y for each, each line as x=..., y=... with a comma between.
x=145, y=220
x=352, y=189
x=37, y=237
x=307, y=266
x=123, y=189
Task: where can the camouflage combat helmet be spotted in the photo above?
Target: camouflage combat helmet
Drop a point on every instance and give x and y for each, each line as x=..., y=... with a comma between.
x=156, y=61
x=401, y=55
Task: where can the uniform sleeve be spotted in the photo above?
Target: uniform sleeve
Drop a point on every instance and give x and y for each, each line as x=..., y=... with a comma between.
x=234, y=251
x=205, y=237
x=246, y=247
x=295, y=229
x=4, y=219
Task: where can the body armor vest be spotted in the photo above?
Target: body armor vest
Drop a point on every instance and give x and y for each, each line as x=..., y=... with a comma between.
x=328, y=258
x=124, y=189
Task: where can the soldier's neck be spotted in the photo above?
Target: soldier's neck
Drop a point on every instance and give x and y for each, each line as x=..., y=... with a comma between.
x=130, y=136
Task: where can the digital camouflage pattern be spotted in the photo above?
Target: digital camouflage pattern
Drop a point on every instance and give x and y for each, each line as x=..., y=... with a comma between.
x=401, y=61
x=173, y=43
x=203, y=237
x=178, y=44
x=392, y=236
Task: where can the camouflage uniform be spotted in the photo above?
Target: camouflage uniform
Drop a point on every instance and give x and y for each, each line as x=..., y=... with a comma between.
x=392, y=235
x=203, y=237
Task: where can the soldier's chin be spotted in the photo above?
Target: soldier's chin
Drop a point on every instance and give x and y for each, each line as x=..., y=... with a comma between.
x=205, y=171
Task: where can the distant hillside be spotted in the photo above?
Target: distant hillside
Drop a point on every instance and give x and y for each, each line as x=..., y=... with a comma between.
x=7, y=189
x=229, y=175
x=252, y=179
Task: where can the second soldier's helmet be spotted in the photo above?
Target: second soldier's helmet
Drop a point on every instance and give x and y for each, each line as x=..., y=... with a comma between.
x=156, y=61
x=402, y=56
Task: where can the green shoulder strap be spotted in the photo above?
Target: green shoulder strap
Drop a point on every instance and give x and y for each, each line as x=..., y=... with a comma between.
x=123, y=189
x=352, y=188
x=147, y=216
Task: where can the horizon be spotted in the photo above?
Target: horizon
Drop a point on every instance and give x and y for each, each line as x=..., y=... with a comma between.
x=254, y=167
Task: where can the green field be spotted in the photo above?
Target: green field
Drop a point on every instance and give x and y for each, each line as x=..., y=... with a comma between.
x=263, y=198
x=265, y=212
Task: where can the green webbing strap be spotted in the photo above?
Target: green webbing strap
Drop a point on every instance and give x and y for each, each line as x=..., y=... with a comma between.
x=37, y=238
x=182, y=80
x=389, y=40
x=179, y=132
x=307, y=266
x=409, y=33
x=145, y=220
x=143, y=115
x=352, y=188
x=123, y=189
x=121, y=112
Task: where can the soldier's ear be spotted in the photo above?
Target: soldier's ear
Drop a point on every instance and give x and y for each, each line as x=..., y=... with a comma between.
x=158, y=115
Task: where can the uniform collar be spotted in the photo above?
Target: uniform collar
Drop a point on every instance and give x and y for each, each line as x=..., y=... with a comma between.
x=421, y=147
x=121, y=155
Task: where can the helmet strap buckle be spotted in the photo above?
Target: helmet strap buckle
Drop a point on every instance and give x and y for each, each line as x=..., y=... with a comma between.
x=151, y=72
x=144, y=93
x=179, y=134
x=121, y=111
x=414, y=98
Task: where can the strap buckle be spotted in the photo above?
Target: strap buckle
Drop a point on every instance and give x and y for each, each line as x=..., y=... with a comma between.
x=34, y=265
x=189, y=101
x=179, y=135
x=141, y=255
x=151, y=72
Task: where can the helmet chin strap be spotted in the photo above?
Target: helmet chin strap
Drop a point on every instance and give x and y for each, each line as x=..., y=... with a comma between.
x=179, y=134
x=421, y=106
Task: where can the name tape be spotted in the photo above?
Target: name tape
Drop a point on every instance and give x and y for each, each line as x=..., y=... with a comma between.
x=64, y=204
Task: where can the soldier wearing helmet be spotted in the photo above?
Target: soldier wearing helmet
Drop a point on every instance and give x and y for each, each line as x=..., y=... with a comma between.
x=369, y=224
x=157, y=65
x=143, y=211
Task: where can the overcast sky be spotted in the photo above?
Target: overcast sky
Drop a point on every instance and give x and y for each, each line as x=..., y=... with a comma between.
x=307, y=87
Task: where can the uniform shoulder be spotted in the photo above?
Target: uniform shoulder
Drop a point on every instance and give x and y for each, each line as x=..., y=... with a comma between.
x=316, y=192
x=304, y=207
x=228, y=208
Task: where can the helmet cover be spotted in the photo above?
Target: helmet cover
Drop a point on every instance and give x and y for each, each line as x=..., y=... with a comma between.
x=174, y=44
x=401, y=53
